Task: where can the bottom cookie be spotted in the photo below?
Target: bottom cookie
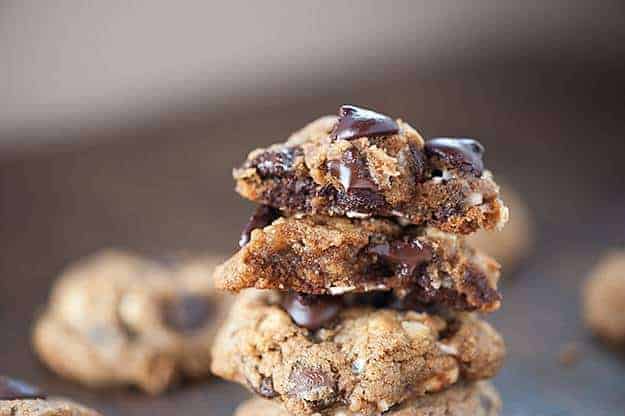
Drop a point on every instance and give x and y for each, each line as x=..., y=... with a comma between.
x=20, y=399
x=477, y=399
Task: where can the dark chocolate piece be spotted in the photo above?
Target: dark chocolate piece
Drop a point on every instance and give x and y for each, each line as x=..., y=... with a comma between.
x=355, y=122
x=187, y=313
x=406, y=255
x=262, y=217
x=352, y=172
x=276, y=162
x=17, y=390
x=464, y=154
x=312, y=311
x=309, y=382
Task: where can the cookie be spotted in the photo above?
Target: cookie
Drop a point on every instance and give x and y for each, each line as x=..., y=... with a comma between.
x=512, y=244
x=318, y=354
x=470, y=399
x=365, y=164
x=119, y=319
x=335, y=255
x=20, y=399
x=604, y=298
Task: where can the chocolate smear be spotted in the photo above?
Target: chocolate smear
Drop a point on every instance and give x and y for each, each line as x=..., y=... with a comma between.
x=311, y=311
x=406, y=255
x=464, y=154
x=352, y=172
x=262, y=217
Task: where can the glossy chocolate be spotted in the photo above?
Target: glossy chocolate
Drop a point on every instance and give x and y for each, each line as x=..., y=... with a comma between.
x=464, y=154
x=352, y=172
x=16, y=390
x=406, y=255
x=275, y=162
x=262, y=217
x=312, y=311
x=187, y=313
x=355, y=122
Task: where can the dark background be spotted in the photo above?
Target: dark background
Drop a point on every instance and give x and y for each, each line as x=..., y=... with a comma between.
x=549, y=109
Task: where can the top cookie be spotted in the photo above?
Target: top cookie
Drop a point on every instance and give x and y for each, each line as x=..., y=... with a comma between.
x=364, y=164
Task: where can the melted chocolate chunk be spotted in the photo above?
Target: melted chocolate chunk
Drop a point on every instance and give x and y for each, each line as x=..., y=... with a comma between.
x=262, y=217
x=312, y=311
x=275, y=162
x=464, y=154
x=17, y=390
x=352, y=172
x=406, y=255
x=355, y=122
x=309, y=382
x=187, y=313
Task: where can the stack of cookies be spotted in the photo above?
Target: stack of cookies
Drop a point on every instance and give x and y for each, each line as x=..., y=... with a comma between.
x=369, y=290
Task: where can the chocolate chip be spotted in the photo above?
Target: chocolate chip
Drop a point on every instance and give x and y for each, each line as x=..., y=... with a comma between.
x=355, y=122
x=352, y=171
x=315, y=386
x=186, y=313
x=311, y=311
x=464, y=154
x=265, y=388
x=262, y=216
x=275, y=162
x=406, y=255
x=18, y=390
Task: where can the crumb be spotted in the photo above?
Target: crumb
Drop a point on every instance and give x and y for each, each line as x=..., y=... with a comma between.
x=570, y=354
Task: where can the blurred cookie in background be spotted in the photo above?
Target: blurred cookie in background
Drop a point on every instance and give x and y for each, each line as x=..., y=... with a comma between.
x=513, y=243
x=20, y=399
x=119, y=319
x=603, y=297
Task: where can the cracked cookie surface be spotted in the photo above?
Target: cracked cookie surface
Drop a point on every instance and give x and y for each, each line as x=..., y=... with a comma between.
x=368, y=360
x=334, y=255
x=365, y=164
x=467, y=399
x=118, y=319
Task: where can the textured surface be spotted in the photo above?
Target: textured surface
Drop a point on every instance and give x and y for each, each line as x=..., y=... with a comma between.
x=553, y=129
x=335, y=255
x=50, y=407
x=479, y=399
x=369, y=361
x=395, y=174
